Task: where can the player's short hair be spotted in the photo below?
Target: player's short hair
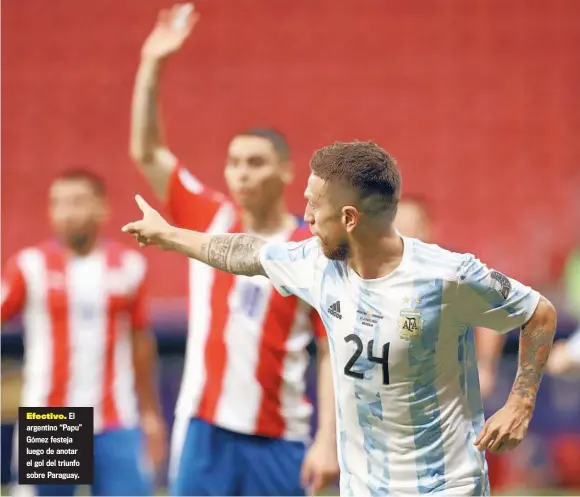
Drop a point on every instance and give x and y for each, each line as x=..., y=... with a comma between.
x=367, y=168
x=275, y=137
x=82, y=174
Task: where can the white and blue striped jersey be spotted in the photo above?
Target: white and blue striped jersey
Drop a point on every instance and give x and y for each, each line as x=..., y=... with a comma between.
x=404, y=365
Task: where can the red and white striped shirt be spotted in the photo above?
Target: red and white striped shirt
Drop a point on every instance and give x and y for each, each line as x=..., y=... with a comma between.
x=78, y=315
x=247, y=353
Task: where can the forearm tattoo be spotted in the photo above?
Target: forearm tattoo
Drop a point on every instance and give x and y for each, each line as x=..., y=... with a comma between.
x=236, y=253
x=535, y=346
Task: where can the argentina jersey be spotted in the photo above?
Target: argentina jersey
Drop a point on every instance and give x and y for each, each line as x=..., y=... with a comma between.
x=403, y=357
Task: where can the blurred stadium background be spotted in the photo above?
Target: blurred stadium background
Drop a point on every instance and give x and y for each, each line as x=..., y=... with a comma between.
x=478, y=101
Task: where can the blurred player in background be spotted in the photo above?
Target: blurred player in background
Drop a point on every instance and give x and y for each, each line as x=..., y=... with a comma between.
x=565, y=356
x=399, y=315
x=86, y=340
x=242, y=419
x=413, y=219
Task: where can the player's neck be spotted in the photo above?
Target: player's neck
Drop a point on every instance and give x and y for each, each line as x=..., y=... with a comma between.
x=268, y=221
x=81, y=248
x=372, y=259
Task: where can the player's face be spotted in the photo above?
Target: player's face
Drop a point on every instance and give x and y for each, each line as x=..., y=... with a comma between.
x=75, y=211
x=254, y=174
x=325, y=217
x=411, y=221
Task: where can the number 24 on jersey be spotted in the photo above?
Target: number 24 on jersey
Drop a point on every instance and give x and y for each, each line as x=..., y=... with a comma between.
x=382, y=360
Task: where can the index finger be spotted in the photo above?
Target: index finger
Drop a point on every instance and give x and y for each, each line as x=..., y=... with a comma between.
x=482, y=433
x=144, y=206
x=487, y=439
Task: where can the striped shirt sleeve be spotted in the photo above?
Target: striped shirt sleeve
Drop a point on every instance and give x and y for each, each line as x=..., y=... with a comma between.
x=488, y=298
x=291, y=267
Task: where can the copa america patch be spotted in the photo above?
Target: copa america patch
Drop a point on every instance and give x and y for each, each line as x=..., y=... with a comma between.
x=500, y=284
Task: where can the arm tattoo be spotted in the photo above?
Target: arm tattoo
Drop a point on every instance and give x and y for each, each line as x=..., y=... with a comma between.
x=535, y=346
x=236, y=253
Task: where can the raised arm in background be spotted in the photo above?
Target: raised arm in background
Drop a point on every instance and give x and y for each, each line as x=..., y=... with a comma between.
x=147, y=145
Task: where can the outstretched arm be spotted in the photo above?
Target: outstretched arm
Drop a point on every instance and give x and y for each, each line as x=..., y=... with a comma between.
x=235, y=253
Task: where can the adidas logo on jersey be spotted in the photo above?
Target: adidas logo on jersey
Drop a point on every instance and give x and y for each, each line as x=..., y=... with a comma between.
x=334, y=310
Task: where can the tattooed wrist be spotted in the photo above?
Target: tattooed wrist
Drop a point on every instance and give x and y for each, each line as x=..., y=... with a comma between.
x=535, y=346
x=235, y=253
x=525, y=389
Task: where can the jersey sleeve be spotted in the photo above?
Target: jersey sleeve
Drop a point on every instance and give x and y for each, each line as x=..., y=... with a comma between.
x=317, y=325
x=191, y=204
x=291, y=267
x=13, y=290
x=488, y=298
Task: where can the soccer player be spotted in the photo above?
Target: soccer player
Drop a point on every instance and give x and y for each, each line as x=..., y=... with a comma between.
x=412, y=219
x=87, y=343
x=399, y=315
x=565, y=357
x=242, y=421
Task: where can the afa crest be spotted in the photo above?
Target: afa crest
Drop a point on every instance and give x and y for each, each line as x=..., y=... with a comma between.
x=410, y=324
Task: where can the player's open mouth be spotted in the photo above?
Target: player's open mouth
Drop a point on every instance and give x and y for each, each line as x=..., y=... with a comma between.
x=243, y=192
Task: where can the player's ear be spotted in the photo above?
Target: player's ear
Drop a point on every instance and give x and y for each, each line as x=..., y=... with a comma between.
x=287, y=172
x=350, y=217
x=104, y=212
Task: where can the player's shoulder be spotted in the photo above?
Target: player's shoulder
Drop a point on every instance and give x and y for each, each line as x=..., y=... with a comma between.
x=304, y=244
x=39, y=250
x=437, y=261
x=299, y=245
x=191, y=184
x=33, y=258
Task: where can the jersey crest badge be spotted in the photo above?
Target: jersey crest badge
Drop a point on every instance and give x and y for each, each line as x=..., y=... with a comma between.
x=410, y=324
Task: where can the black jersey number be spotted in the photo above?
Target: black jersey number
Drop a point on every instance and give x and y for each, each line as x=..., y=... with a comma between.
x=382, y=360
